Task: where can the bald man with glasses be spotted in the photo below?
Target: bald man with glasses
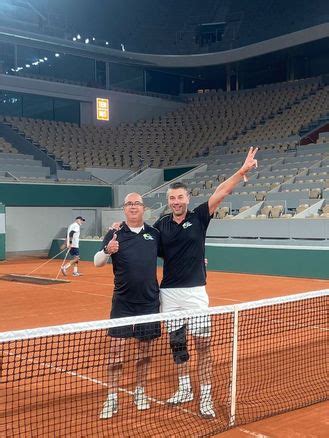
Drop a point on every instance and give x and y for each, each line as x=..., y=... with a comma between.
x=133, y=250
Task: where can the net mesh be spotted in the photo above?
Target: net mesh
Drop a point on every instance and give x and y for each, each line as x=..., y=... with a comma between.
x=267, y=357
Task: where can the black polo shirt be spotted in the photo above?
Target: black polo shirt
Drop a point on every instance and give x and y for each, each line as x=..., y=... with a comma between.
x=183, y=248
x=134, y=265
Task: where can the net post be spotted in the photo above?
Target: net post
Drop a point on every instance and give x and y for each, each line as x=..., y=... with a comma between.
x=234, y=366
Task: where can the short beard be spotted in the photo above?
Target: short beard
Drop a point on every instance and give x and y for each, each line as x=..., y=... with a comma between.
x=180, y=213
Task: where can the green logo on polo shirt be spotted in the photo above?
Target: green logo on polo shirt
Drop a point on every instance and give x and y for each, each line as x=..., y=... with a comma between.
x=147, y=236
x=186, y=225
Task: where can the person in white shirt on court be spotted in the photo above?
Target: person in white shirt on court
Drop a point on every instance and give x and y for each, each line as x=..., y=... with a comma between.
x=72, y=242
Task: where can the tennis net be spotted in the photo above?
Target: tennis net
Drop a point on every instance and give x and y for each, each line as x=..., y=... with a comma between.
x=266, y=357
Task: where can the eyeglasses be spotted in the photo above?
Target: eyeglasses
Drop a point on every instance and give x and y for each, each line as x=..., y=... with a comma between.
x=133, y=204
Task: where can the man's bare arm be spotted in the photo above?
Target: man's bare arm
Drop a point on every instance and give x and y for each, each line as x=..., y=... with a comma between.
x=226, y=187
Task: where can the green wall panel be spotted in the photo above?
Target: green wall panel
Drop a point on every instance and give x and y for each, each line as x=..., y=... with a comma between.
x=35, y=195
x=175, y=172
x=88, y=249
x=308, y=263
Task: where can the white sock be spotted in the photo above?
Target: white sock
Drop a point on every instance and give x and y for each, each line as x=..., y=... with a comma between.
x=184, y=383
x=112, y=396
x=205, y=391
x=75, y=269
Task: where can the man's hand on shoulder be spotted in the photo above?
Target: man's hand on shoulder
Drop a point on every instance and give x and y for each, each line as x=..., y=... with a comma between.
x=115, y=226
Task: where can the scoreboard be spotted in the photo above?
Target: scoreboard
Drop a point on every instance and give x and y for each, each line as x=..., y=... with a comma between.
x=102, y=109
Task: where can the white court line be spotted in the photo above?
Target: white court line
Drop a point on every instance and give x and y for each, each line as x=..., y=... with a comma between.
x=255, y=434
x=83, y=292
x=93, y=282
x=320, y=328
x=225, y=299
x=99, y=382
x=112, y=284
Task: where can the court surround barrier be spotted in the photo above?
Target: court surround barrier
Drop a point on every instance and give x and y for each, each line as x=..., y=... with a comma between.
x=290, y=261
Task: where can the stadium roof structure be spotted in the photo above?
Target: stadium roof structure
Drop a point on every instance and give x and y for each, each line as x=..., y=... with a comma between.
x=283, y=42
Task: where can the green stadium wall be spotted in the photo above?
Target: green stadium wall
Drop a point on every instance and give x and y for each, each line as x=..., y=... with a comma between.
x=175, y=172
x=87, y=248
x=2, y=232
x=307, y=262
x=57, y=195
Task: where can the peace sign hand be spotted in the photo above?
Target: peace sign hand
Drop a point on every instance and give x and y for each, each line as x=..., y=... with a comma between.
x=249, y=163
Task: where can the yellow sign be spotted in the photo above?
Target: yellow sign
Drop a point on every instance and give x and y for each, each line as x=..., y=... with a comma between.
x=103, y=109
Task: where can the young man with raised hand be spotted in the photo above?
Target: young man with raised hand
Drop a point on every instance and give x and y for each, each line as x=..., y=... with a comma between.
x=182, y=237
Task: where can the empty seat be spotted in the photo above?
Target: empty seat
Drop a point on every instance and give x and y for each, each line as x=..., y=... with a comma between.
x=301, y=208
x=315, y=193
x=244, y=208
x=266, y=210
x=221, y=212
x=260, y=196
x=277, y=211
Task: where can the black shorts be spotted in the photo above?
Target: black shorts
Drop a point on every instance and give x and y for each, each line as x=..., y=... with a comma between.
x=74, y=252
x=142, y=332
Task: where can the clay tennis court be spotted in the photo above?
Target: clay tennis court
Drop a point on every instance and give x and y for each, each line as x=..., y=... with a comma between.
x=88, y=298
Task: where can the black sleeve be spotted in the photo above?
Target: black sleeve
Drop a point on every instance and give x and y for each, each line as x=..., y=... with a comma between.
x=107, y=239
x=202, y=211
x=156, y=235
x=160, y=252
x=156, y=225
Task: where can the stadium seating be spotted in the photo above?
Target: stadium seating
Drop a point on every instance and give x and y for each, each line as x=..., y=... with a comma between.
x=209, y=123
x=6, y=148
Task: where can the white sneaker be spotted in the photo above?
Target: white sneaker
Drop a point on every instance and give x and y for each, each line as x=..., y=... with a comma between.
x=140, y=400
x=181, y=396
x=64, y=271
x=206, y=408
x=76, y=274
x=110, y=407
